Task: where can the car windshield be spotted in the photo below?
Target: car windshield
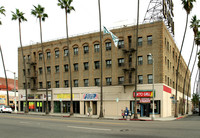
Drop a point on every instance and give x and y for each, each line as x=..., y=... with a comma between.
x=7, y=106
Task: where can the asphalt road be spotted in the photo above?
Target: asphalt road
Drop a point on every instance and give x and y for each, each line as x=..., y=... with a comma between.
x=30, y=126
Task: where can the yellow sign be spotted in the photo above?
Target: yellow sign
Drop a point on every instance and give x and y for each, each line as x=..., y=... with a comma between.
x=64, y=96
x=2, y=96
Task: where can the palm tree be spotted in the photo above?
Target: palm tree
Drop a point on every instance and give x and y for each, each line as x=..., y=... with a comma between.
x=66, y=5
x=187, y=5
x=101, y=78
x=197, y=41
x=136, y=64
x=2, y=11
x=20, y=17
x=194, y=25
x=38, y=12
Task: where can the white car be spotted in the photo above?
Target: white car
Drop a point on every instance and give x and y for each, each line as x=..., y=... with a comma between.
x=5, y=109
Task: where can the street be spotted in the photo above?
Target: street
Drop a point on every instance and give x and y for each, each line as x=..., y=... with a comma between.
x=33, y=126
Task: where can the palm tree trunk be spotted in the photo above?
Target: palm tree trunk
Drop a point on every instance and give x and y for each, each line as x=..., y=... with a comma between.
x=101, y=104
x=70, y=72
x=24, y=63
x=183, y=108
x=190, y=79
x=45, y=73
x=136, y=66
x=195, y=82
x=5, y=76
x=176, y=113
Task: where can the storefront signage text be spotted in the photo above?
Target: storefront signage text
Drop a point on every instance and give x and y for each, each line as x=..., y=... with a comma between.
x=64, y=96
x=144, y=94
x=145, y=100
x=89, y=96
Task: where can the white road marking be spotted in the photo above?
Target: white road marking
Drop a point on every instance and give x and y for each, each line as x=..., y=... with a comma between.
x=90, y=128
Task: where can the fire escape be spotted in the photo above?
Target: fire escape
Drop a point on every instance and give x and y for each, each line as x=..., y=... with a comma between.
x=32, y=73
x=128, y=68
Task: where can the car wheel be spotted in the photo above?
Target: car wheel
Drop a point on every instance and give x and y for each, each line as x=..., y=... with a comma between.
x=1, y=111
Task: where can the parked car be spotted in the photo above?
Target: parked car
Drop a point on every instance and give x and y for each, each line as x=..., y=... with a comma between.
x=196, y=110
x=5, y=109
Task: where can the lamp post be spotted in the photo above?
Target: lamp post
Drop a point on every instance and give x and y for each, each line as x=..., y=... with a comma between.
x=153, y=117
x=14, y=88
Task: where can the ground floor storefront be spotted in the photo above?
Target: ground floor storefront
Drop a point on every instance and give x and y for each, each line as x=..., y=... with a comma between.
x=86, y=100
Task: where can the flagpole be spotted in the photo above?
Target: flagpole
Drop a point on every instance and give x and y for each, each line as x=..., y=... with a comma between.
x=101, y=79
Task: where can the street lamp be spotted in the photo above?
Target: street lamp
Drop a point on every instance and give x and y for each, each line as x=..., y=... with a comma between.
x=153, y=117
x=14, y=89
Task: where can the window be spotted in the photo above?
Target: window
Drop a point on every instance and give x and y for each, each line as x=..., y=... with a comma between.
x=150, y=79
x=40, y=56
x=66, y=52
x=97, y=64
x=29, y=57
x=57, y=69
x=108, y=81
x=86, y=82
x=121, y=62
x=24, y=85
x=86, y=66
x=57, y=84
x=48, y=55
x=75, y=83
x=24, y=72
x=139, y=41
x=108, y=46
x=29, y=85
x=48, y=69
x=96, y=47
x=40, y=85
x=140, y=60
x=76, y=51
x=129, y=41
x=140, y=79
x=97, y=81
x=120, y=80
x=86, y=49
x=48, y=84
x=149, y=58
x=66, y=83
x=29, y=72
x=121, y=44
x=108, y=63
x=76, y=67
x=40, y=70
x=130, y=77
x=66, y=68
x=149, y=40
x=56, y=53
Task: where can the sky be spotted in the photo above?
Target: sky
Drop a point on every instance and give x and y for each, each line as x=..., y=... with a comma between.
x=84, y=19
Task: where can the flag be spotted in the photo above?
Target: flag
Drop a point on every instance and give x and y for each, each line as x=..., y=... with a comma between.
x=114, y=37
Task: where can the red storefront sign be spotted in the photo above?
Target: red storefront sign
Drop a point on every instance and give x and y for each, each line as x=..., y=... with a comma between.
x=145, y=100
x=144, y=94
x=167, y=89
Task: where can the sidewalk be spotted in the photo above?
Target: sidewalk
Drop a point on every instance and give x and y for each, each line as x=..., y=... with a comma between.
x=106, y=117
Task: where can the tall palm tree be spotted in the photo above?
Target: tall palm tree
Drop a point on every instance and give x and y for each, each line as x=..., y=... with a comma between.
x=187, y=5
x=194, y=25
x=66, y=5
x=136, y=64
x=38, y=12
x=101, y=78
x=2, y=11
x=20, y=17
x=197, y=41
